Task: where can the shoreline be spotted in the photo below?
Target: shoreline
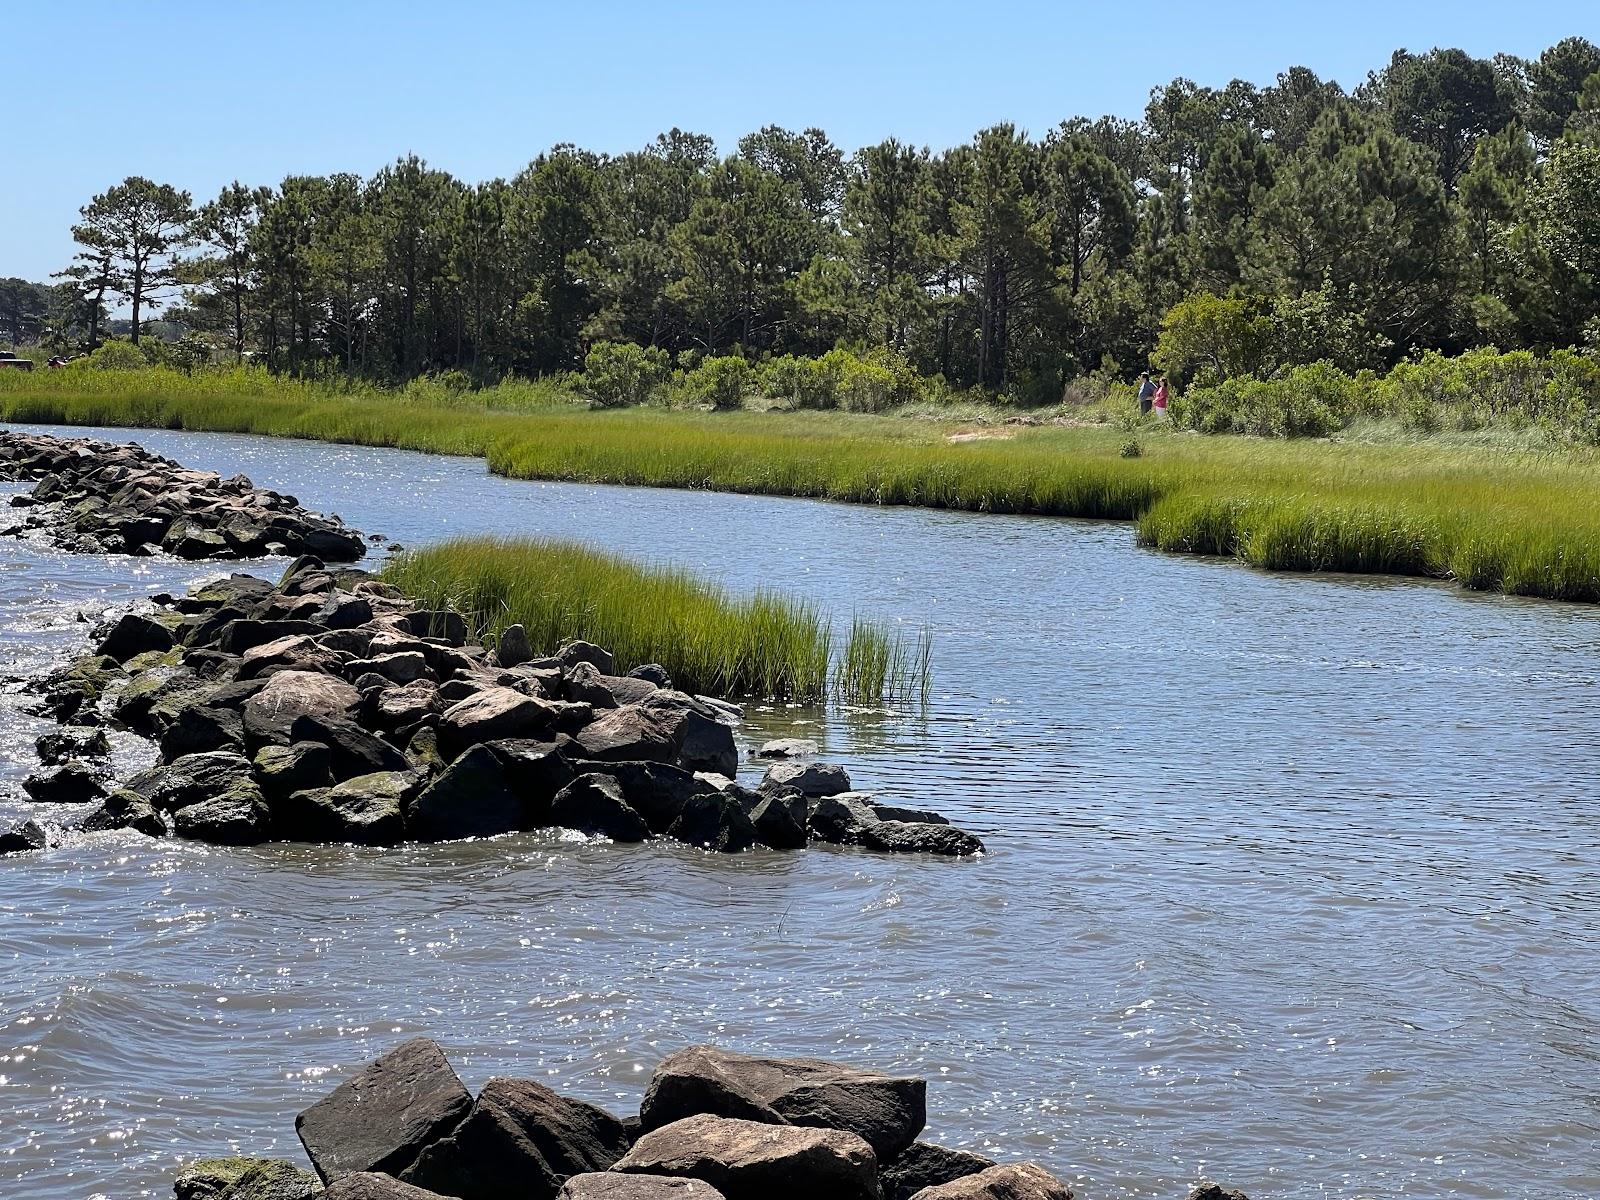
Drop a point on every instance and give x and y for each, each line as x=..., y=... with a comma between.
x=1473, y=517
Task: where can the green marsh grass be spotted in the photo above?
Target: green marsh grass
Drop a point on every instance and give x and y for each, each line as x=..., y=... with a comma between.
x=768, y=645
x=1520, y=518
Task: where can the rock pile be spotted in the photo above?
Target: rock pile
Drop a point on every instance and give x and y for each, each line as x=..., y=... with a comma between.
x=331, y=708
x=105, y=498
x=714, y=1125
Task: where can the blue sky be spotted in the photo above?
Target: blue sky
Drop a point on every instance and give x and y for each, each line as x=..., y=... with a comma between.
x=197, y=94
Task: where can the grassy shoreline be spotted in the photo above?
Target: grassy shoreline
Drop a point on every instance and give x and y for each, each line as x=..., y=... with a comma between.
x=1509, y=518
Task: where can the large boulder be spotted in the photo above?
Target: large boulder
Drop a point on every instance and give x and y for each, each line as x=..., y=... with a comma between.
x=125, y=810
x=921, y=837
x=593, y=804
x=927, y=1164
x=777, y=824
x=352, y=751
x=135, y=633
x=381, y=1118
x=284, y=770
x=73, y=782
x=585, y=682
x=297, y=652
x=191, y=779
x=490, y=715
x=840, y=820
x=513, y=648
x=811, y=778
x=714, y=821
x=364, y=811
x=1013, y=1181
x=23, y=838
x=629, y=734
x=702, y=740
x=270, y=714
x=611, y=1185
x=237, y=817
x=749, y=1160
x=471, y=797
x=198, y=728
x=520, y=1130
x=656, y=791
x=888, y=1111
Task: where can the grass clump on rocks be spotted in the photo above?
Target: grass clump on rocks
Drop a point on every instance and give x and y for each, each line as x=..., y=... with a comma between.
x=708, y=640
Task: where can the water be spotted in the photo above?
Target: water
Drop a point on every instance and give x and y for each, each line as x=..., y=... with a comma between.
x=1292, y=881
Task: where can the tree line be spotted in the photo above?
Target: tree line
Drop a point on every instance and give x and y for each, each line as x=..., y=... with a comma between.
x=1447, y=202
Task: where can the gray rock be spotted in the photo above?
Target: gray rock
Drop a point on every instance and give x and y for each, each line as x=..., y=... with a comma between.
x=788, y=748
x=297, y=652
x=520, y=1130
x=627, y=734
x=284, y=770
x=380, y=1119
x=572, y=653
x=57, y=746
x=776, y=824
x=364, y=811
x=471, y=797
x=840, y=820
x=656, y=791
x=199, y=728
x=1013, y=1181
x=344, y=611
x=135, y=633
x=352, y=751
x=270, y=714
x=238, y=817
x=513, y=646
x=490, y=715
x=593, y=804
x=812, y=778
x=653, y=673
x=748, y=1160
x=397, y=707
x=926, y=1164
x=443, y=626
x=191, y=779
x=1212, y=1191
x=894, y=812
x=73, y=782
x=714, y=821
x=920, y=837
x=585, y=683
x=25, y=837
x=125, y=810
x=402, y=666
x=610, y=1185
x=887, y=1111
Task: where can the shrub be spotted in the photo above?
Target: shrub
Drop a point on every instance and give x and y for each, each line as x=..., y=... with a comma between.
x=618, y=374
x=722, y=382
x=115, y=356
x=1207, y=339
x=802, y=382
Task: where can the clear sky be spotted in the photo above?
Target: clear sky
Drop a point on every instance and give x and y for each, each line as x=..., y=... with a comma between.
x=199, y=93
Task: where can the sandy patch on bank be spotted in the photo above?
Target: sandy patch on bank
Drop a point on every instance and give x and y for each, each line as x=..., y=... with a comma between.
x=981, y=435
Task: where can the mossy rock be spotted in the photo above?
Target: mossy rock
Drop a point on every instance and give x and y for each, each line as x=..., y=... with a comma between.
x=245, y=1179
x=153, y=658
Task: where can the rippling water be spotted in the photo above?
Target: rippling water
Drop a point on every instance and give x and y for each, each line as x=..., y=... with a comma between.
x=1293, y=881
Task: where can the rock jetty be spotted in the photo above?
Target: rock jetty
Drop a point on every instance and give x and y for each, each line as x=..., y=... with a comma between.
x=108, y=498
x=330, y=707
x=714, y=1125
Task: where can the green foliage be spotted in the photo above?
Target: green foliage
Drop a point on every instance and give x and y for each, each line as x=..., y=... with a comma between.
x=114, y=356
x=719, y=382
x=1208, y=339
x=617, y=374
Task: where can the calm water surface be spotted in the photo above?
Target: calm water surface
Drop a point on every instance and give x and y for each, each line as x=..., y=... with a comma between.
x=1293, y=882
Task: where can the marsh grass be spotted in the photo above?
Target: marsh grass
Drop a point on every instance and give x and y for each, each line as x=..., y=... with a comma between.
x=1501, y=514
x=768, y=645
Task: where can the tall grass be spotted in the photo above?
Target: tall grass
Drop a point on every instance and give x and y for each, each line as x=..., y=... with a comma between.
x=769, y=645
x=1499, y=517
